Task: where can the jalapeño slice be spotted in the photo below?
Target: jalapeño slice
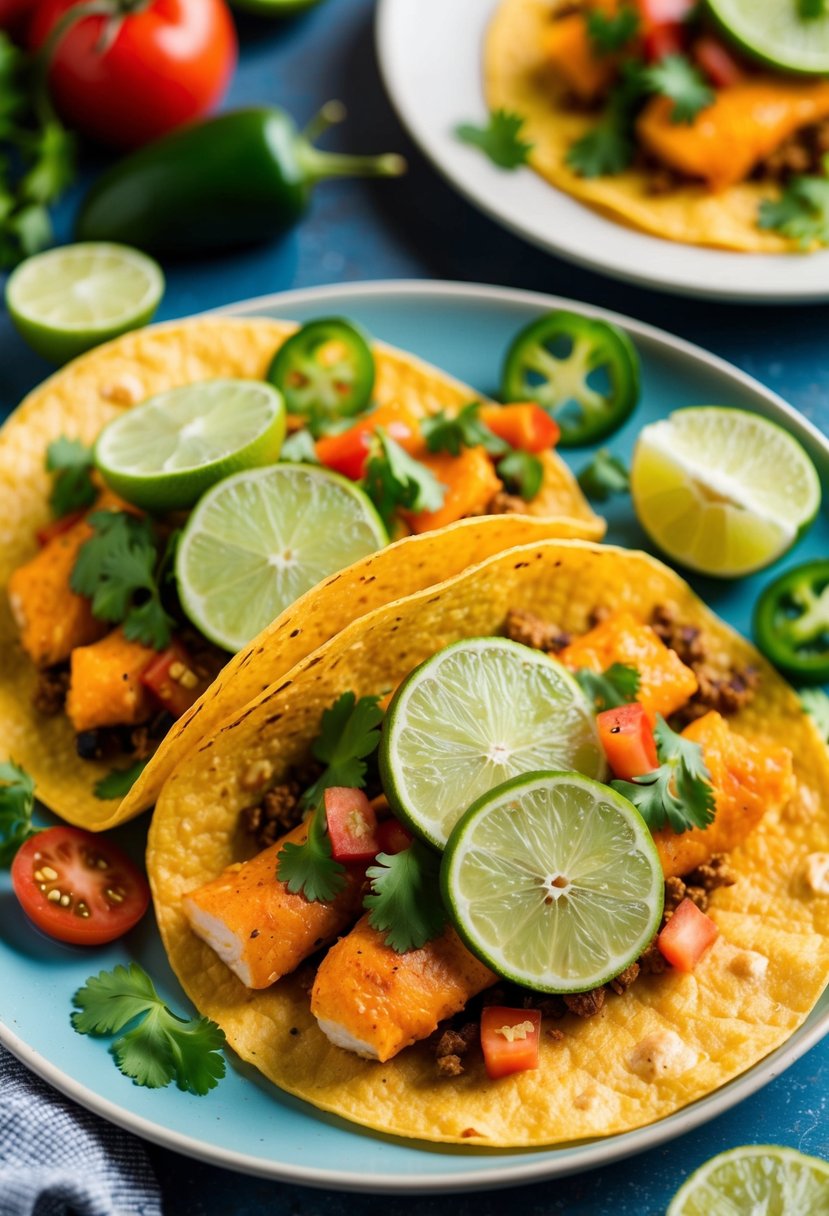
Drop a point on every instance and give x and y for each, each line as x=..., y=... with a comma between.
x=584, y=372
x=791, y=622
x=325, y=371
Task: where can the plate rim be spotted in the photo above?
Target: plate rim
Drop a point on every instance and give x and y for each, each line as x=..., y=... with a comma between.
x=538, y=1165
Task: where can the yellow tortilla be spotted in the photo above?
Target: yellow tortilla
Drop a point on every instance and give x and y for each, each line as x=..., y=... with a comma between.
x=517, y=78
x=590, y=1083
x=79, y=400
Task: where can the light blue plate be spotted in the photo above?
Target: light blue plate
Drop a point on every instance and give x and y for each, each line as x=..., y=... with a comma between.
x=246, y=1124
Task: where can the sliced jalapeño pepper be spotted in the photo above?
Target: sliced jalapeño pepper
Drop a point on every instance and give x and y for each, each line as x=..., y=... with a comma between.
x=325, y=371
x=585, y=373
x=791, y=622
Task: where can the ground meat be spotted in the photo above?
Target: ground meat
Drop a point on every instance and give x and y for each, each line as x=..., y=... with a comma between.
x=623, y=981
x=724, y=689
x=652, y=961
x=547, y=1006
x=141, y=745
x=802, y=152
x=586, y=1004
x=686, y=640
x=50, y=690
x=714, y=873
x=529, y=629
x=503, y=503
x=661, y=181
x=452, y=1045
x=276, y=814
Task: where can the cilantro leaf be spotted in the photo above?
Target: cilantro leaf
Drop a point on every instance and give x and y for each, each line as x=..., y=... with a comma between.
x=611, y=32
x=299, y=448
x=309, y=868
x=607, y=149
x=117, y=569
x=677, y=78
x=522, y=473
x=815, y=702
x=808, y=10
x=119, y=781
x=464, y=430
x=395, y=479
x=499, y=139
x=618, y=685
x=678, y=794
x=605, y=475
x=405, y=903
x=801, y=213
x=162, y=1046
x=349, y=733
x=72, y=463
x=54, y=164
x=17, y=800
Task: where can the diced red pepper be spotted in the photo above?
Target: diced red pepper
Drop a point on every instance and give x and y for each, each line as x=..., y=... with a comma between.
x=509, y=1038
x=352, y=824
x=172, y=679
x=346, y=452
x=526, y=426
x=627, y=738
x=719, y=65
x=687, y=936
x=392, y=836
x=57, y=527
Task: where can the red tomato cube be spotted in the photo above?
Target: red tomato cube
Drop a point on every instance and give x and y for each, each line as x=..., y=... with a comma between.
x=352, y=824
x=509, y=1038
x=687, y=936
x=627, y=738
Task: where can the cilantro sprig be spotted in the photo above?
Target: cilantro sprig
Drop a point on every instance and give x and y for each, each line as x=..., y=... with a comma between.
x=604, y=476
x=802, y=211
x=675, y=77
x=466, y=429
x=119, y=781
x=617, y=685
x=678, y=794
x=815, y=703
x=17, y=801
x=119, y=570
x=395, y=479
x=405, y=901
x=309, y=868
x=522, y=473
x=611, y=32
x=160, y=1046
x=71, y=463
x=500, y=139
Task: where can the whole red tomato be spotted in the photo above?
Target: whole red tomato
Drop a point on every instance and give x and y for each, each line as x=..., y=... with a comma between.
x=14, y=14
x=168, y=62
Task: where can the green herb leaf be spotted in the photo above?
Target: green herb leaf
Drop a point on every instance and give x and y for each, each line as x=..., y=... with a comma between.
x=802, y=211
x=162, y=1046
x=808, y=10
x=117, y=570
x=299, y=448
x=499, y=139
x=119, y=781
x=604, y=151
x=618, y=685
x=310, y=868
x=677, y=78
x=463, y=430
x=605, y=475
x=54, y=164
x=349, y=733
x=72, y=463
x=17, y=801
x=612, y=32
x=405, y=903
x=522, y=473
x=678, y=794
x=815, y=702
x=395, y=479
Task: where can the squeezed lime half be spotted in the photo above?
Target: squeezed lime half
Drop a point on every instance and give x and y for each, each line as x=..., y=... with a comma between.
x=756, y=1180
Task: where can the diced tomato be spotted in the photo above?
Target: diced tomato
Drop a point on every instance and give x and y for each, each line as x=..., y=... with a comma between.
x=392, y=836
x=687, y=936
x=57, y=527
x=527, y=427
x=78, y=887
x=627, y=738
x=663, y=26
x=352, y=824
x=664, y=12
x=172, y=679
x=663, y=40
x=719, y=65
x=346, y=453
x=509, y=1038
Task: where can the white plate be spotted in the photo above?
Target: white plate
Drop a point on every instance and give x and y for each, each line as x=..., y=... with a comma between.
x=430, y=54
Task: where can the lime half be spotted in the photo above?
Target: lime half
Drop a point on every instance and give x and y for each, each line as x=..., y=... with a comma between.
x=721, y=490
x=775, y=32
x=476, y=713
x=756, y=1180
x=69, y=299
x=553, y=880
x=260, y=539
x=163, y=454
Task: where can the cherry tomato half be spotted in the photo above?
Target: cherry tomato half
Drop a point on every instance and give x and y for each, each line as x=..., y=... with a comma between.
x=78, y=887
x=169, y=62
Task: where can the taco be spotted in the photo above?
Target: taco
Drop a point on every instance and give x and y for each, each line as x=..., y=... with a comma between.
x=702, y=161
x=243, y=932
x=126, y=693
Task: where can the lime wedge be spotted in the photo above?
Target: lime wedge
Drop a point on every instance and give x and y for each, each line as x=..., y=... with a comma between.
x=476, y=713
x=721, y=490
x=260, y=539
x=775, y=32
x=755, y=1180
x=69, y=299
x=163, y=454
x=553, y=880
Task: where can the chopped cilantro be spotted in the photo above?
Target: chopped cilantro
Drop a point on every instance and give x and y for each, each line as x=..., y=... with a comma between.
x=522, y=473
x=677, y=78
x=808, y=10
x=310, y=868
x=405, y=903
x=815, y=703
x=72, y=463
x=117, y=569
x=395, y=479
x=499, y=139
x=612, y=32
x=119, y=781
x=17, y=800
x=159, y=1048
x=605, y=475
x=463, y=430
x=299, y=448
x=618, y=685
x=607, y=149
x=802, y=211
x=678, y=793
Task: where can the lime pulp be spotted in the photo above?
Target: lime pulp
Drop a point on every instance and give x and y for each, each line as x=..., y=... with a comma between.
x=766, y=1179
x=775, y=32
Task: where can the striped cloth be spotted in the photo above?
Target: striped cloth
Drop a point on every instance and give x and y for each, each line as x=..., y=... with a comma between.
x=57, y=1159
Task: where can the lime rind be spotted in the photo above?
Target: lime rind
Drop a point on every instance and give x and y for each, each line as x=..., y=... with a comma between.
x=553, y=881
x=767, y=1178
x=773, y=32
x=478, y=712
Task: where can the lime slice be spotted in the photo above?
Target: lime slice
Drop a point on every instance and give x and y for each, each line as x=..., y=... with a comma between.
x=260, y=539
x=775, y=32
x=163, y=454
x=755, y=1180
x=69, y=299
x=721, y=490
x=476, y=713
x=554, y=881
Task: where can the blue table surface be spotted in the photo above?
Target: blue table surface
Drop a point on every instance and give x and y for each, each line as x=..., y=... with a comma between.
x=417, y=228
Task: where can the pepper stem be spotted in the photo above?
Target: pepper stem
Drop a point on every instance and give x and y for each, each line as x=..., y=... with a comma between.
x=318, y=165
x=331, y=113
